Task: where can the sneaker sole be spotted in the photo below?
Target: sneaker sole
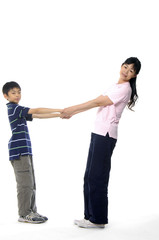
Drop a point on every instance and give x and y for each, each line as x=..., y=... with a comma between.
x=27, y=221
x=85, y=225
x=91, y=226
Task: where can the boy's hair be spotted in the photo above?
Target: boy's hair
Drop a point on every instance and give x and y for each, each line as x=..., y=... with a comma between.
x=8, y=86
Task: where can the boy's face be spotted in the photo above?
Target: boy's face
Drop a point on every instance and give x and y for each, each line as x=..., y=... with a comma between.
x=14, y=95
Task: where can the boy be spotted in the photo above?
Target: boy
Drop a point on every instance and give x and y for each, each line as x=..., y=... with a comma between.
x=20, y=151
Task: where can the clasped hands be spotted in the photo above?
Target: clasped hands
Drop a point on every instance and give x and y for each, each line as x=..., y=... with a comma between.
x=67, y=113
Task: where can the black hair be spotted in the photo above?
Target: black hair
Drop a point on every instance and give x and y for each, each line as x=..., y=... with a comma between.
x=8, y=86
x=137, y=66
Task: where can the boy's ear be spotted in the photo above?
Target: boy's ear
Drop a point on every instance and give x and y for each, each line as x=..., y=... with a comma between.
x=5, y=96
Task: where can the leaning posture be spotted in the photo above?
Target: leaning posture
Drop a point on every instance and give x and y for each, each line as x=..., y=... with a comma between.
x=103, y=140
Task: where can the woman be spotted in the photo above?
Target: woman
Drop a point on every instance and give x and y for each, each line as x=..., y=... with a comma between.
x=103, y=141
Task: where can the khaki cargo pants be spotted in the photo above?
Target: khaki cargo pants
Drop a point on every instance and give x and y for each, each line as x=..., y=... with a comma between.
x=26, y=188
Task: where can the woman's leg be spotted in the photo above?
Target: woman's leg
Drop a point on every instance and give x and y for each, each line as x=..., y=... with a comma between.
x=86, y=184
x=97, y=177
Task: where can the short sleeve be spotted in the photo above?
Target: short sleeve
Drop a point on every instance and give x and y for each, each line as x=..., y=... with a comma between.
x=22, y=112
x=118, y=94
x=29, y=117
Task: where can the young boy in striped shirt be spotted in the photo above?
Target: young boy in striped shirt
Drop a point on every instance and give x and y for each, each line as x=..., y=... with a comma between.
x=20, y=151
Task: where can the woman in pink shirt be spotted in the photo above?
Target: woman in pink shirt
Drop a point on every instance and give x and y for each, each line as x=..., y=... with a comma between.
x=103, y=140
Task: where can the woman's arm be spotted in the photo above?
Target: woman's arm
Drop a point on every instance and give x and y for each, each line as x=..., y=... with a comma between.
x=97, y=102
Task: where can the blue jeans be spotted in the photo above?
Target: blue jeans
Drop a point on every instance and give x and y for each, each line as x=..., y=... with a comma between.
x=96, y=178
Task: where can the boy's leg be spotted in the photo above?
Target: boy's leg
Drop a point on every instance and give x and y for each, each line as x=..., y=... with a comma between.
x=33, y=201
x=24, y=174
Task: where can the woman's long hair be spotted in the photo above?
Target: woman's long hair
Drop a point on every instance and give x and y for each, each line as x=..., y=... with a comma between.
x=137, y=66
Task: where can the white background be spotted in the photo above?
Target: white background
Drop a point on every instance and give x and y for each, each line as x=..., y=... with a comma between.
x=66, y=52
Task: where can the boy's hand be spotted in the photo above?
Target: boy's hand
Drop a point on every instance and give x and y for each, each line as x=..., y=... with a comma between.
x=67, y=113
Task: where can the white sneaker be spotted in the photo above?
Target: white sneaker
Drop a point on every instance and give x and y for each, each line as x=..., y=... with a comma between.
x=76, y=222
x=87, y=224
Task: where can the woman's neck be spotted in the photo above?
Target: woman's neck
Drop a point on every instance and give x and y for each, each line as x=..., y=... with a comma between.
x=120, y=81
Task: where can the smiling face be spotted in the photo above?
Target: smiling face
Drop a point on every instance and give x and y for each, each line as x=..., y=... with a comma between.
x=14, y=95
x=126, y=73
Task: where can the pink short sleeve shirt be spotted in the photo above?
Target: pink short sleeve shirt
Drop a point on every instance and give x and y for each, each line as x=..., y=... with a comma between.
x=108, y=117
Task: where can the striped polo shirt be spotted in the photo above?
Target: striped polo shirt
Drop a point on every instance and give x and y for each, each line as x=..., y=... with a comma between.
x=19, y=143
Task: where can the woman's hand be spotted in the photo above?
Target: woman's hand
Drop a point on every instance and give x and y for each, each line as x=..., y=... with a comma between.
x=67, y=113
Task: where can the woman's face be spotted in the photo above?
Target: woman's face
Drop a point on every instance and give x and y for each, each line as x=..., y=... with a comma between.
x=127, y=72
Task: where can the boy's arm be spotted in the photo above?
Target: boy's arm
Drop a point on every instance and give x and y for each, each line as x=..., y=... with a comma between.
x=97, y=102
x=46, y=115
x=43, y=110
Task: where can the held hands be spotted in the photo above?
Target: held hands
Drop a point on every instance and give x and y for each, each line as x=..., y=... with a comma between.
x=52, y=113
x=67, y=113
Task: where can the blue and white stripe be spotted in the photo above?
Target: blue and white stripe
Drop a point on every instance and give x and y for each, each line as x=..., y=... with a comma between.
x=19, y=143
